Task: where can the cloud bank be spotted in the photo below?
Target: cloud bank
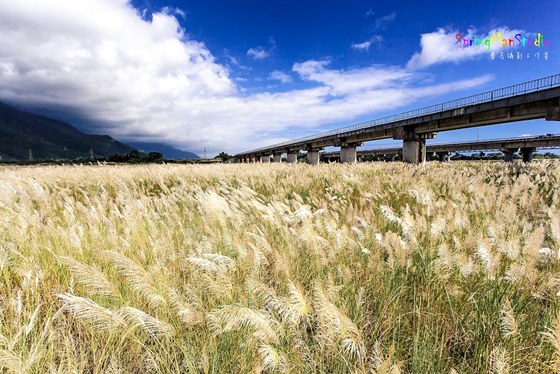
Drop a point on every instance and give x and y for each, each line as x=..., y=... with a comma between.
x=146, y=80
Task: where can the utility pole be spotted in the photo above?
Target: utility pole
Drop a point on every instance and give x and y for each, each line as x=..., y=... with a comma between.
x=30, y=155
x=91, y=153
x=205, y=156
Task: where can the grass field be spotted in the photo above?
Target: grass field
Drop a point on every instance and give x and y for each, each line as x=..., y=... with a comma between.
x=377, y=268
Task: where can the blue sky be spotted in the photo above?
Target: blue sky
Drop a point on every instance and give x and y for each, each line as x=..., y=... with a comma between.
x=236, y=75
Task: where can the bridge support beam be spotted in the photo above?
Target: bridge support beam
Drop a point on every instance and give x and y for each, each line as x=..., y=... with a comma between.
x=553, y=114
x=508, y=154
x=527, y=154
x=414, y=151
x=277, y=157
x=313, y=157
x=265, y=159
x=292, y=157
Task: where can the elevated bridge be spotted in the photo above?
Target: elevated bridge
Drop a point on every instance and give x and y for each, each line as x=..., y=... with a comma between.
x=527, y=145
x=537, y=99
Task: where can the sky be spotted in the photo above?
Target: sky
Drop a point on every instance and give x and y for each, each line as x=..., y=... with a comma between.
x=237, y=75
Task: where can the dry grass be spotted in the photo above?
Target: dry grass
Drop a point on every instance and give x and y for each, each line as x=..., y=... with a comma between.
x=369, y=268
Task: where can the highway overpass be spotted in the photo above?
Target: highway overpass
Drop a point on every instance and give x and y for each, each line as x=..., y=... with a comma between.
x=537, y=99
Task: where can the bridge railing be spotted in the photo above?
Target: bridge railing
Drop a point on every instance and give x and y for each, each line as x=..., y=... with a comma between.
x=489, y=96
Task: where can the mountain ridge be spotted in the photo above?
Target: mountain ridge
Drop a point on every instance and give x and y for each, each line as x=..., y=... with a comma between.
x=25, y=136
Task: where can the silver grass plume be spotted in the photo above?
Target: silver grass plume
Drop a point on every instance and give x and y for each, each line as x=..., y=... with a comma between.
x=232, y=317
x=508, y=323
x=95, y=282
x=188, y=313
x=139, y=279
x=293, y=309
x=336, y=330
x=85, y=309
x=135, y=318
x=499, y=361
x=272, y=360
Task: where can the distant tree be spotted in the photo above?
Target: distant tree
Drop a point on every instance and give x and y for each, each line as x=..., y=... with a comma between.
x=154, y=156
x=551, y=155
x=134, y=155
x=223, y=156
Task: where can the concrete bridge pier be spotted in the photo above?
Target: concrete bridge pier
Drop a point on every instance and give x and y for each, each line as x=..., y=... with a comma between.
x=414, y=151
x=508, y=154
x=348, y=154
x=313, y=157
x=527, y=154
x=414, y=145
x=277, y=157
x=265, y=159
x=292, y=157
x=443, y=156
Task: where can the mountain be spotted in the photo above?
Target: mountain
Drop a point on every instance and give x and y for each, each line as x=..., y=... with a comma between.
x=22, y=133
x=168, y=151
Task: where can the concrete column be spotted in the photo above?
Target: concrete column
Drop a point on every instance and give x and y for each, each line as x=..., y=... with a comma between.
x=292, y=157
x=508, y=154
x=277, y=157
x=313, y=157
x=348, y=154
x=527, y=154
x=265, y=159
x=443, y=156
x=414, y=151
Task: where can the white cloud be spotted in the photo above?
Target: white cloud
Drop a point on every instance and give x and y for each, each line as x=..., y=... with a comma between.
x=257, y=53
x=280, y=76
x=362, y=46
x=344, y=82
x=365, y=45
x=382, y=22
x=442, y=46
x=101, y=63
